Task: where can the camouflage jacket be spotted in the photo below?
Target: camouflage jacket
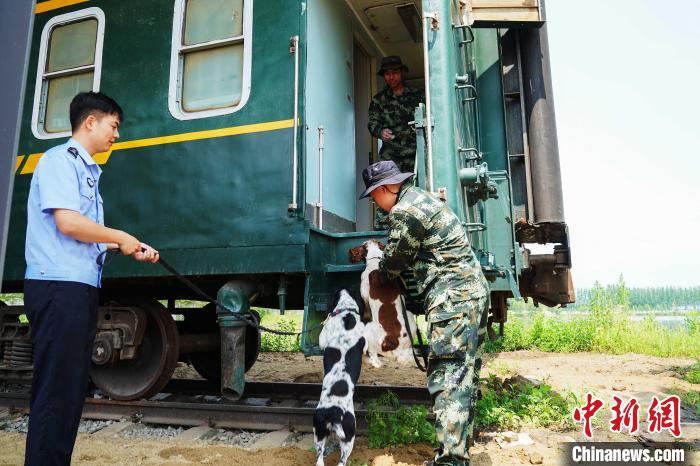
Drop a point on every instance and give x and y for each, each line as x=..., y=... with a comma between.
x=394, y=112
x=427, y=237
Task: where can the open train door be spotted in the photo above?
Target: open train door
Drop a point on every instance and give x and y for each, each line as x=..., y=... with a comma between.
x=16, y=20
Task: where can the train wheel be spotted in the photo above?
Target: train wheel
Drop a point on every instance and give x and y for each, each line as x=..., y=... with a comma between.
x=208, y=365
x=155, y=361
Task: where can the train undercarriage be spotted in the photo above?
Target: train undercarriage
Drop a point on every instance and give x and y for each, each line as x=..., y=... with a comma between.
x=137, y=346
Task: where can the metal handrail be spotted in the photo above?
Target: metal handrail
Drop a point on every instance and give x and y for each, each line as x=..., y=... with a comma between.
x=428, y=114
x=467, y=28
x=471, y=88
x=321, y=147
x=294, y=48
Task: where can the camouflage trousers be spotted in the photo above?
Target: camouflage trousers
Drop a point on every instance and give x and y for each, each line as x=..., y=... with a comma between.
x=457, y=331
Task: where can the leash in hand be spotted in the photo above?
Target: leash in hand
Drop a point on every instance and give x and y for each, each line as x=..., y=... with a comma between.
x=421, y=346
x=249, y=317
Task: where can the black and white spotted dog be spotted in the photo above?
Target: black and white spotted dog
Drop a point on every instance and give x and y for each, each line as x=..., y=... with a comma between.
x=343, y=345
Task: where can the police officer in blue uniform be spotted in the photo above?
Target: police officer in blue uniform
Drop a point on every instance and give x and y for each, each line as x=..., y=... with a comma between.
x=65, y=235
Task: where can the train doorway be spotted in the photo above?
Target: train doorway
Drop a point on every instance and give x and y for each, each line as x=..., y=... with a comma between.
x=381, y=28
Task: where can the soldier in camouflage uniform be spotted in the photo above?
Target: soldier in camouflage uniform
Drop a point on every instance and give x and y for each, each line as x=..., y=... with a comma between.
x=428, y=238
x=389, y=114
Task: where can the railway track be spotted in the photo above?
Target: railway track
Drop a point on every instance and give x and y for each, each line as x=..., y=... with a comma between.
x=265, y=406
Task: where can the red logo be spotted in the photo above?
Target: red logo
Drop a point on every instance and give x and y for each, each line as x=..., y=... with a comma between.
x=592, y=407
x=661, y=415
x=665, y=415
x=627, y=417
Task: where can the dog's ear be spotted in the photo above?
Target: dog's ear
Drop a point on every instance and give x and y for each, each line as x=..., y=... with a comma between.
x=334, y=301
x=357, y=254
x=381, y=245
x=357, y=297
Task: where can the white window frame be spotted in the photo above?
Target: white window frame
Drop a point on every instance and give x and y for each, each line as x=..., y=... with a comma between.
x=176, y=64
x=40, y=90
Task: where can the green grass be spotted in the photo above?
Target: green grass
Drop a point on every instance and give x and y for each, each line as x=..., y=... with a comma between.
x=690, y=399
x=513, y=403
x=390, y=424
x=691, y=373
x=602, y=332
x=693, y=376
x=510, y=403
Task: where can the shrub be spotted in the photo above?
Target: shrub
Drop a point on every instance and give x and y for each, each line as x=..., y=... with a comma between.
x=271, y=342
x=513, y=403
x=389, y=423
x=515, y=337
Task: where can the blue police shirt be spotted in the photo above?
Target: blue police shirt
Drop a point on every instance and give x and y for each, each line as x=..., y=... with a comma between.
x=66, y=177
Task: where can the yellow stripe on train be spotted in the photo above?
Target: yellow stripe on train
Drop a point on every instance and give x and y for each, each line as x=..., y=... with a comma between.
x=102, y=157
x=43, y=7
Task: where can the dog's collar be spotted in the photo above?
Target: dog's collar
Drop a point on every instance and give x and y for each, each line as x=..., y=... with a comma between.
x=336, y=312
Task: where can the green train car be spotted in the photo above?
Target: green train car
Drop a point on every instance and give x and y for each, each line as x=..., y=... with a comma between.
x=241, y=152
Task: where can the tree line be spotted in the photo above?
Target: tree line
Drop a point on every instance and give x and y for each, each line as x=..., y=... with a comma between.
x=649, y=298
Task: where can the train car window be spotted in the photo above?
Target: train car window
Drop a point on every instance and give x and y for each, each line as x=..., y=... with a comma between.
x=206, y=20
x=72, y=45
x=210, y=69
x=70, y=57
x=60, y=92
x=211, y=80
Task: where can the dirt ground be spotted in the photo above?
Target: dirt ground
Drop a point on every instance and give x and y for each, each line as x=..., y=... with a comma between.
x=605, y=375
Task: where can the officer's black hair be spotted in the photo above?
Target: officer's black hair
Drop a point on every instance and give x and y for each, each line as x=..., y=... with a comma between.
x=90, y=103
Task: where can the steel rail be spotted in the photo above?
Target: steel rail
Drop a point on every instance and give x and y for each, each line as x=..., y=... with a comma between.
x=266, y=405
x=302, y=391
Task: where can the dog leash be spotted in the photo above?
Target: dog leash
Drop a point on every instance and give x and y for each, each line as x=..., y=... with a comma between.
x=422, y=367
x=248, y=317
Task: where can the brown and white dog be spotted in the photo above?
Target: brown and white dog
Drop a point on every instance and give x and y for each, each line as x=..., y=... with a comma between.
x=386, y=334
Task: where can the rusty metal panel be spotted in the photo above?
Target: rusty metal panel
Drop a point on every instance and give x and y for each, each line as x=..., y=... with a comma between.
x=499, y=13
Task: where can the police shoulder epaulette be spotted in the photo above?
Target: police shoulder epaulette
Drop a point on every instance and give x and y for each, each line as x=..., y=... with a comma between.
x=73, y=151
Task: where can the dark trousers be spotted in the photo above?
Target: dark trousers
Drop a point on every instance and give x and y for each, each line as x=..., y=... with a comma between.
x=63, y=317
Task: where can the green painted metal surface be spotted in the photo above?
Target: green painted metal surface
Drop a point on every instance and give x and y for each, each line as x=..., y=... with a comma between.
x=500, y=235
x=492, y=136
x=445, y=63
x=223, y=195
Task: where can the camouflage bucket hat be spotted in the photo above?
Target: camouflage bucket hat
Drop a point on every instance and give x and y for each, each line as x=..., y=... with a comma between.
x=382, y=173
x=392, y=62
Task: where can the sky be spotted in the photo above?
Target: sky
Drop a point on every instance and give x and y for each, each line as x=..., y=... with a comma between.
x=626, y=80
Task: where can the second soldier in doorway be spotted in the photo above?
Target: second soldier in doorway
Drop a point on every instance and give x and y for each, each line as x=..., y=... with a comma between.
x=389, y=114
